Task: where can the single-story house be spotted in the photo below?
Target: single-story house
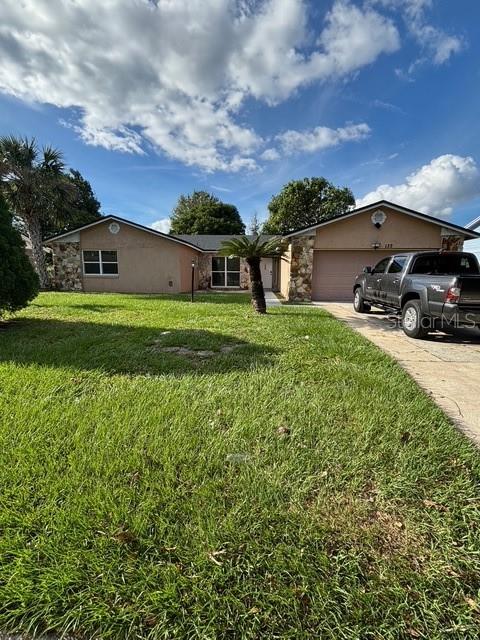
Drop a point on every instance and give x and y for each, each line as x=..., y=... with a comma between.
x=113, y=254
x=117, y=255
x=473, y=245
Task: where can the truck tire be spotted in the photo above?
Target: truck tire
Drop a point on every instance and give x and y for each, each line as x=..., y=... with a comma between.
x=412, y=317
x=359, y=303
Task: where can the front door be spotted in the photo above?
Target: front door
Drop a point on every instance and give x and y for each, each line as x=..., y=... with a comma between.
x=266, y=267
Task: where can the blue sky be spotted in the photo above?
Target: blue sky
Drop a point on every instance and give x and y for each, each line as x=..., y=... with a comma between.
x=152, y=100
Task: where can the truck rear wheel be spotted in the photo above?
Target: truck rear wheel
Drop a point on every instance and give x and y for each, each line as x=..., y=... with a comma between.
x=359, y=303
x=413, y=320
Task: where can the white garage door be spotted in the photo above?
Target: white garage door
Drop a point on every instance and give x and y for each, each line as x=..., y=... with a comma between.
x=334, y=272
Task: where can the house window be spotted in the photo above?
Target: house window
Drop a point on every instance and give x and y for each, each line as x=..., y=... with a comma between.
x=100, y=263
x=225, y=272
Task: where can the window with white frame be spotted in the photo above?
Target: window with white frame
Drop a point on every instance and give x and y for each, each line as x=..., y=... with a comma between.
x=225, y=272
x=100, y=263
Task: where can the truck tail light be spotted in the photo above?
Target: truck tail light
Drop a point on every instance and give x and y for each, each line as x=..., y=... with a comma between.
x=453, y=294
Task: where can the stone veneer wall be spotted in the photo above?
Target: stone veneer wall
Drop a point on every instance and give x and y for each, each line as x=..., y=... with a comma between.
x=301, y=268
x=244, y=274
x=67, y=266
x=452, y=243
x=205, y=271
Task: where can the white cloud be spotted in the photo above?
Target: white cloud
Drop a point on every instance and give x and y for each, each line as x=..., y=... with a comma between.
x=218, y=188
x=387, y=106
x=437, y=45
x=270, y=63
x=270, y=154
x=435, y=188
x=321, y=138
x=163, y=225
x=173, y=75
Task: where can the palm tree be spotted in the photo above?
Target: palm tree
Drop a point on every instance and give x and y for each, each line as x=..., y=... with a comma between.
x=34, y=186
x=253, y=250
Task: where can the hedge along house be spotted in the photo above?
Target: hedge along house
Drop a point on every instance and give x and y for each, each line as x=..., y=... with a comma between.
x=116, y=255
x=323, y=260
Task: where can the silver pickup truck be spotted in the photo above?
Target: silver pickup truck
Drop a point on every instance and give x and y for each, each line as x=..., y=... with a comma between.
x=431, y=289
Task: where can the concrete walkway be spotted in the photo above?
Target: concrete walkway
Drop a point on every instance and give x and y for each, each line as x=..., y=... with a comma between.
x=271, y=299
x=446, y=366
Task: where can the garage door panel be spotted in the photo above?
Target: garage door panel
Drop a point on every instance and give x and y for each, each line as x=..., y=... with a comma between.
x=334, y=272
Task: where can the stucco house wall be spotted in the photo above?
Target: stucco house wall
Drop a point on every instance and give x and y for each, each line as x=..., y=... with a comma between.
x=473, y=246
x=284, y=272
x=326, y=258
x=399, y=232
x=146, y=263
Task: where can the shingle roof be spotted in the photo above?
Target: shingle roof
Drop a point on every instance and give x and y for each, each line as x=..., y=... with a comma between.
x=209, y=242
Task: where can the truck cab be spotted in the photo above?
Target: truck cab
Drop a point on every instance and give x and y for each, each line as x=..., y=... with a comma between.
x=432, y=289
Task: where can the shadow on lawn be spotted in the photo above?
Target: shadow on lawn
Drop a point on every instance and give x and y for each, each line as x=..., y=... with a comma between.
x=129, y=349
x=200, y=297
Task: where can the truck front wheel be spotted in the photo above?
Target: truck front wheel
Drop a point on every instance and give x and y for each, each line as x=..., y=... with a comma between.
x=413, y=320
x=359, y=303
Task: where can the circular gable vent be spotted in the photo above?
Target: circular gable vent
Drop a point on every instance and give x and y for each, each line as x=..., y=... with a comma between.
x=114, y=227
x=378, y=218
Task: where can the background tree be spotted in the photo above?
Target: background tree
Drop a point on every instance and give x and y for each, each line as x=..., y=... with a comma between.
x=18, y=280
x=253, y=251
x=202, y=212
x=81, y=208
x=302, y=203
x=35, y=188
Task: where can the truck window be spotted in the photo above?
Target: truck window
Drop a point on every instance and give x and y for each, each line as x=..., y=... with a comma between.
x=381, y=266
x=397, y=265
x=445, y=264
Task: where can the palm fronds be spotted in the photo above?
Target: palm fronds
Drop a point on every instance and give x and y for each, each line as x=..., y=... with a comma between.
x=257, y=247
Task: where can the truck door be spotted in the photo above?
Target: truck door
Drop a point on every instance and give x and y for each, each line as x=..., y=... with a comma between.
x=373, y=281
x=391, y=281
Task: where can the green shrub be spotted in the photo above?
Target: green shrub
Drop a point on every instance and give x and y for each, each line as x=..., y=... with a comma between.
x=18, y=280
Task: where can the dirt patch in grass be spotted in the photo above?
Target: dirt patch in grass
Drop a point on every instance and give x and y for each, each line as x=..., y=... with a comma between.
x=188, y=351
x=360, y=521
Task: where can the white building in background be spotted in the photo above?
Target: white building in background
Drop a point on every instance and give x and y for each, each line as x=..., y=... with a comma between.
x=473, y=245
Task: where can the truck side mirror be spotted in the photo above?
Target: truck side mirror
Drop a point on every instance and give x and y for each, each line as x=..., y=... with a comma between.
x=367, y=269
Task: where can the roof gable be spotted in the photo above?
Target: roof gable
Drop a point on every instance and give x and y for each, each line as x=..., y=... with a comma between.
x=123, y=221
x=385, y=203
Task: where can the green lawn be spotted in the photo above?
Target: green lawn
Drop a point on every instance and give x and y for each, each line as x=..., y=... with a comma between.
x=291, y=482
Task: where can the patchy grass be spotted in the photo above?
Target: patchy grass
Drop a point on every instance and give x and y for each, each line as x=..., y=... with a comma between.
x=292, y=483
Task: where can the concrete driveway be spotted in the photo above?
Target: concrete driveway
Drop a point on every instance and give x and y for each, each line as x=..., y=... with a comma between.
x=446, y=366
